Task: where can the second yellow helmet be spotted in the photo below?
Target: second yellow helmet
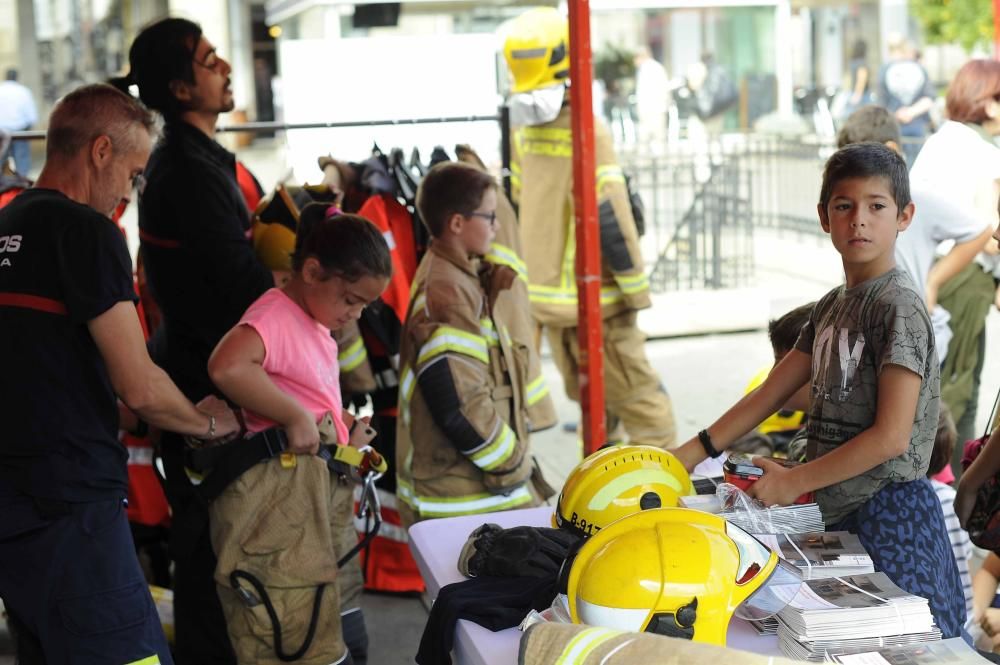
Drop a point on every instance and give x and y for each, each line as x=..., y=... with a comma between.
x=617, y=481
x=676, y=572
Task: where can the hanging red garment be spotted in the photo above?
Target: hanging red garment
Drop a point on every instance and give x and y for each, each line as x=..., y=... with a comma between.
x=387, y=562
x=147, y=503
x=250, y=188
x=11, y=184
x=396, y=225
x=9, y=195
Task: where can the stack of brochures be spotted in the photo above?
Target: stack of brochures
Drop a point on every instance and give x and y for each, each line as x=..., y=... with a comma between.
x=852, y=614
x=821, y=554
x=953, y=651
x=799, y=518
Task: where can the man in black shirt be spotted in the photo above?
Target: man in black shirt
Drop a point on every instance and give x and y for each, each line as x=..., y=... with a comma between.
x=200, y=265
x=68, y=571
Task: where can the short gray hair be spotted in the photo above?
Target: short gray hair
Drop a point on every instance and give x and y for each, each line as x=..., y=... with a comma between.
x=96, y=110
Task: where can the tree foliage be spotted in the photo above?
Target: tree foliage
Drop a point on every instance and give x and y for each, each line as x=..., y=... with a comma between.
x=968, y=23
x=613, y=65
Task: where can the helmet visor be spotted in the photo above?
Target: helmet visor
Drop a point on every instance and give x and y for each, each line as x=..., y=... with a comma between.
x=776, y=592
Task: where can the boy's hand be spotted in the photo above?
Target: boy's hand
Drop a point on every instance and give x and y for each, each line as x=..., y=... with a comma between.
x=303, y=435
x=778, y=486
x=990, y=621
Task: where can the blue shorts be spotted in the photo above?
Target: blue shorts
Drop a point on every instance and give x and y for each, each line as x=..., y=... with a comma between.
x=902, y=527
x=70, y=578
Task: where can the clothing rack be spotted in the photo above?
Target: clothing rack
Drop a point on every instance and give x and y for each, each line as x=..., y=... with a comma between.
x=258, y=127
x=502, y=117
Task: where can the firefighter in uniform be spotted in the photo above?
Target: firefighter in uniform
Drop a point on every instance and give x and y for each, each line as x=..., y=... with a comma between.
x=462, y=440
x=536, y=50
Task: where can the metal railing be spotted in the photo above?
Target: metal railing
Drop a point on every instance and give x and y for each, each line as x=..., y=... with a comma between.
x=703, y=203
x=703, y=200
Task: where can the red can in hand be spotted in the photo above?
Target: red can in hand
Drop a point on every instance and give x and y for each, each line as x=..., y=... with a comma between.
x=739, y=470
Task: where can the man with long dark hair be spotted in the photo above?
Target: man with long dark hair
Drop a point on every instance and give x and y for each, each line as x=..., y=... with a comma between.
x=194, y=243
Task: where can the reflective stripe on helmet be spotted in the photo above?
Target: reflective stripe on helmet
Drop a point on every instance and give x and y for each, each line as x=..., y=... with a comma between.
x=528, y=53
x=622, y=618
x=616, y=487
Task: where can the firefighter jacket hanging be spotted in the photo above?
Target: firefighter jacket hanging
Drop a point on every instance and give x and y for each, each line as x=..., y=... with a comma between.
x=462, y=439
x=542, y=186
x=637, y=405
x=512, y=306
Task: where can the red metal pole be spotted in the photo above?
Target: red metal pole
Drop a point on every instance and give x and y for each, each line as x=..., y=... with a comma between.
x=996, y=29
x=588, y=246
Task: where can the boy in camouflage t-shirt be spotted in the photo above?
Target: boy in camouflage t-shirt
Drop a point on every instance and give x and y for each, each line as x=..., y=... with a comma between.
x=868, y=355
x=852, y=335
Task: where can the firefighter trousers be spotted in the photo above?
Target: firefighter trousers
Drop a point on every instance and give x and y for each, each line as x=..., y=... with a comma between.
x=634, y=396
x=280, y=525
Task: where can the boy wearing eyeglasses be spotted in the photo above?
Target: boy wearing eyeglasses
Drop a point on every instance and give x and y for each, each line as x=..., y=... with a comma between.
x=462, y=434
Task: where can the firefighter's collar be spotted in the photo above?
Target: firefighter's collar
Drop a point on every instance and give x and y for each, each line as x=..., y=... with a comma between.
x=459, y=259
x=536, y=107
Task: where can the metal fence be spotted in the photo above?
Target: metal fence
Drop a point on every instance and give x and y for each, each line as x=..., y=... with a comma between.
x=704, y=202
x=704, y=199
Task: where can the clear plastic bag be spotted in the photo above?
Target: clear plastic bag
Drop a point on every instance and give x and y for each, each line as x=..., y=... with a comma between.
x=558, y=612
x=750, y=511
x=751, y=515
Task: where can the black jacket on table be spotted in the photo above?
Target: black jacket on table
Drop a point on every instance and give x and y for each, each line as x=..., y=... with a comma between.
x=194, y=232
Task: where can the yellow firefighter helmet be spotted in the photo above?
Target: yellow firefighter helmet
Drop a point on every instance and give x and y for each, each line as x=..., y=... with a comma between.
x=276, y=222
x=676, y=572
x=784, y=420
x=536, y=48
x=617, y=481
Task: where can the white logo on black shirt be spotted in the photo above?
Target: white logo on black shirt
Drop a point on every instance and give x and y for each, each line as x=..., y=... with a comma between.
x=9, y=245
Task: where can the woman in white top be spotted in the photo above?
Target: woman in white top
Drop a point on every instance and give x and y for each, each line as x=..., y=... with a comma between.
x=960, y=165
